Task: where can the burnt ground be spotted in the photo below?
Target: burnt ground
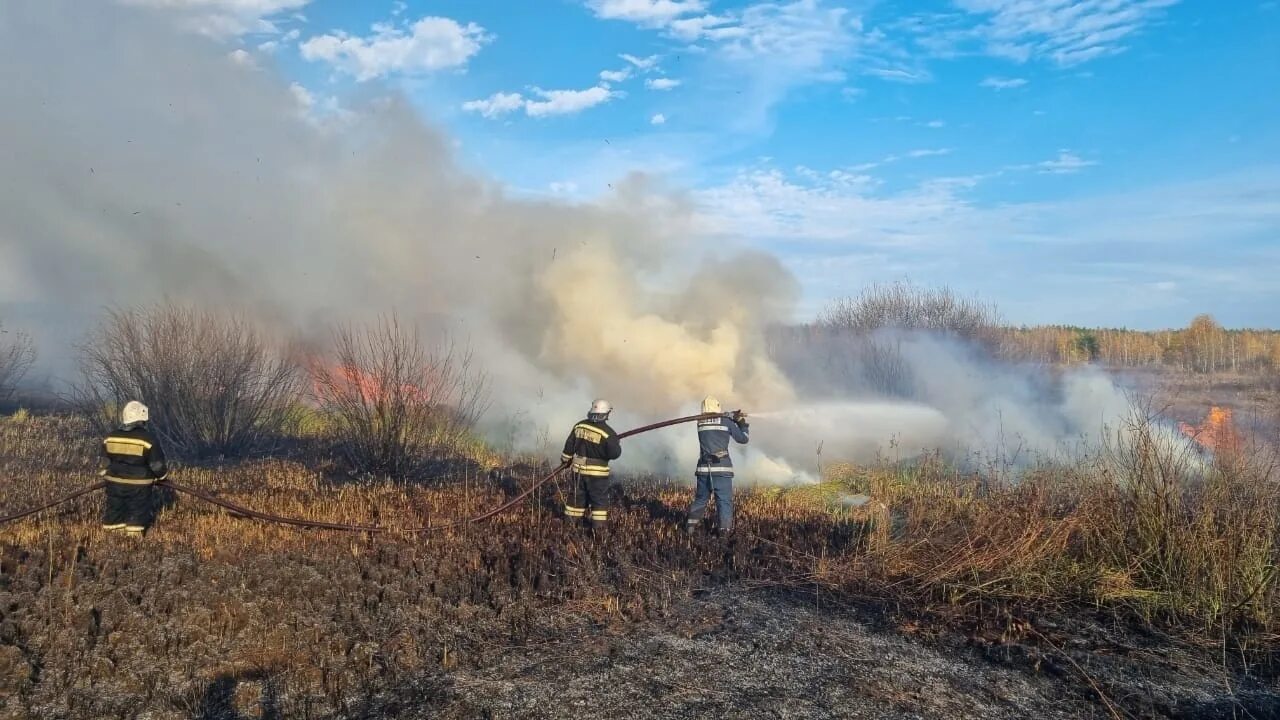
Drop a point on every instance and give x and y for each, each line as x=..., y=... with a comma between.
x=214, y=617
x=734, y=653
x=327, y=628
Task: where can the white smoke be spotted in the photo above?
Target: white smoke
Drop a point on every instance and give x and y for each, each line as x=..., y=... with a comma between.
x=144, y=164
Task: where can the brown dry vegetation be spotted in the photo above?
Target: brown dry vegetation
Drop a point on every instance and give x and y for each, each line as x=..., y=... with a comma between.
x=394, y=407
x=214, y=383
x=17, y=353
x=218, y=617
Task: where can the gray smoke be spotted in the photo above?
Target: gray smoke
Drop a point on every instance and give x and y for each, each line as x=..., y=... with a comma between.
x=142, y=164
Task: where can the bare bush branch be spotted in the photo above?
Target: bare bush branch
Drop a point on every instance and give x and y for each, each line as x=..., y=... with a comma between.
x=17, y=355
x=213, y=384
x=906, y=307
x=857, y=339
x=393, y=405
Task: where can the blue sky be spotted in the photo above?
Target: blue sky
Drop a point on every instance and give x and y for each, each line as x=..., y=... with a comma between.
x=1101, y=162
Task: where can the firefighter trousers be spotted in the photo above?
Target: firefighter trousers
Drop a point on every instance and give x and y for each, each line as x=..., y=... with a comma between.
x=720, y=485
x=589, y=498
x=128, y=507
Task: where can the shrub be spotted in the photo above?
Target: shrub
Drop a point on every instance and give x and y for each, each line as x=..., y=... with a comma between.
x=213, y=383
x=903, y=306
x=17, y=354
x=1185, y=536
x=857, y=341
x=393, y=406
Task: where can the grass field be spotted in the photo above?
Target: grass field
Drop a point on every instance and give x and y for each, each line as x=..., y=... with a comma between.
x=214, y=615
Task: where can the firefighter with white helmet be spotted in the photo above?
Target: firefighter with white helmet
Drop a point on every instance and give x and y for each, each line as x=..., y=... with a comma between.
x=135, y=461
x=589, y=448
x=714, y=472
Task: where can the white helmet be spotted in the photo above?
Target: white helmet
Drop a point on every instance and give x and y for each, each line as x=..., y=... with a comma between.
x=710, y=406
x=600, y=408
x=134, y=412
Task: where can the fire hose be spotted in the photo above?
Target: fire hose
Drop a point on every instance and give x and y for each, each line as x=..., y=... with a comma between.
x=302, y=522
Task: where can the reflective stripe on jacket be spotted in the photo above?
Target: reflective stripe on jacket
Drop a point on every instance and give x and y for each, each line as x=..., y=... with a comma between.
x=134, y=456
x=713, y=444
x=590, y=446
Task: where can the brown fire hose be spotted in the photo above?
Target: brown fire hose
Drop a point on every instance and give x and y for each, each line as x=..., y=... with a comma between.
x=55, y=503
x=302, y=522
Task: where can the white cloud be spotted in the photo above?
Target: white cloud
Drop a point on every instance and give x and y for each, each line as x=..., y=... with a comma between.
x=550, y=102
x=935, y=124
x=317, y=110
x=567, y=102
x=899, y=75
x=1066, y=32
x=1066, y=163
x=303, y=96
x=1120, y=246
x=240, y=56
x=929, y=152
x=760, y=49
x=496, y=105
x=430, y=44
x=661, y=83
x=226, y=18
x=648, y=13
x=615, y=76
x=707, y=27
x=852, y=93
x=658, y=119
x=791, y=34
x=643, y=64
x=270, y=46
x=1001, y=83
x=799, y=35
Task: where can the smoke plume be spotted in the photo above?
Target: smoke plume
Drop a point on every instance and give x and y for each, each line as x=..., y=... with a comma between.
x=143, y=164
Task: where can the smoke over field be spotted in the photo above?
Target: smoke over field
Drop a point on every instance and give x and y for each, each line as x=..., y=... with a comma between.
x=142, y=164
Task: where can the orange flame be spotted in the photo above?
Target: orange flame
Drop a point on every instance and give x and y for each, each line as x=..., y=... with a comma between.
x=371, y=390
x=1216, y=434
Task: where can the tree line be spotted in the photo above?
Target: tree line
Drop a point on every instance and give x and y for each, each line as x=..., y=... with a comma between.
x=1204, y=346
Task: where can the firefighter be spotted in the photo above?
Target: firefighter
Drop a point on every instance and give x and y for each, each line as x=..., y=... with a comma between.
x=135, y=462
x=589, y=448
x=715, y=468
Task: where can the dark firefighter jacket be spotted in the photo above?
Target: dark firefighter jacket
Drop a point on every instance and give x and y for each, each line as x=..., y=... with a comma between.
x=713, y=444
x=134, y=456
x=590, y=446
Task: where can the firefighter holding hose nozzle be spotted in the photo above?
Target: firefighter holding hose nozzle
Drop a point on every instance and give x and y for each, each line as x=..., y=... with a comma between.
x=715, y=468
x=135, y=461
x=589, y=448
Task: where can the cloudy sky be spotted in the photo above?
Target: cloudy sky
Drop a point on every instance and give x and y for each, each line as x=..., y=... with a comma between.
x=1098, y=162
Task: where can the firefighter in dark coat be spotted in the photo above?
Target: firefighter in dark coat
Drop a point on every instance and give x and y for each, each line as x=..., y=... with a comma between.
x=135, y=461
x=714, y=473
x=589, y=448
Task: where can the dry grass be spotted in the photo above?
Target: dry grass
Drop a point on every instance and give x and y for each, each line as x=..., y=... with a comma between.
x=91, y=625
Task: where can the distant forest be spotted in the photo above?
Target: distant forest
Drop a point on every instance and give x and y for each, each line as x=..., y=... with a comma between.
x=1202, y=347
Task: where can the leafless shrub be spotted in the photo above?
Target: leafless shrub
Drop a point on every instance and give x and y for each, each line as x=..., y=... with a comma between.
x=906, y=307
x=825, y=360
x=17, y=354
x=866, y=328
x=394, y=406
x=213, y=383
